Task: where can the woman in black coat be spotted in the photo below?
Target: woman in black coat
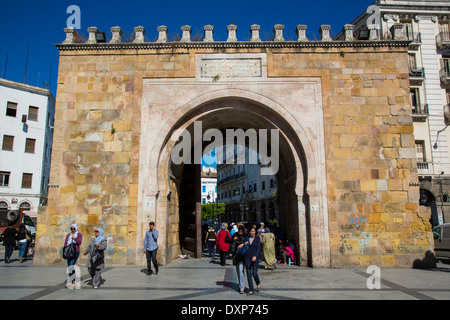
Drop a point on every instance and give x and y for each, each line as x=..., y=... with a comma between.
x=9, y=237
x=252, y=260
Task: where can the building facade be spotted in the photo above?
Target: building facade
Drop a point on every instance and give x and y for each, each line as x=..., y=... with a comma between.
x=209, y=184
x=26, y=133
x=248, y=195
x=347, y=180
x=426, y=25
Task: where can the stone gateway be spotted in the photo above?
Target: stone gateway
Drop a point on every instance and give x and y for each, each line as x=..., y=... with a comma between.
x=347, y=180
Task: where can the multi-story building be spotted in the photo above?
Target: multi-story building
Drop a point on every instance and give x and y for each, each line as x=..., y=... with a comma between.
x=426, y=25
x=26, y=136
x=209, y=184
x=248, y=195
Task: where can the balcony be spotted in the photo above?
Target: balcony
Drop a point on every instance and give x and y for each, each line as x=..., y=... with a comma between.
x=416, y=76
x=420, y=113
x=416, y=40
x=443, y=40
x=424, y=168
x=445, y=76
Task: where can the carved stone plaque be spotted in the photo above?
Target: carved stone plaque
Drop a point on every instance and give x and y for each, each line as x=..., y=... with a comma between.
x=237, y=66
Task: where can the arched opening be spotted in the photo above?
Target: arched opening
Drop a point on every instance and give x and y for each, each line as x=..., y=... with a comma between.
x=427, y=199
x=292, y=198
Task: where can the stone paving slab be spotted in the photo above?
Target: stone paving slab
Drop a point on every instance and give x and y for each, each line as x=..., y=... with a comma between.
x=198, y=279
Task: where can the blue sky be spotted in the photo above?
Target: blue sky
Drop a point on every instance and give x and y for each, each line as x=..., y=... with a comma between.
x=40, y=24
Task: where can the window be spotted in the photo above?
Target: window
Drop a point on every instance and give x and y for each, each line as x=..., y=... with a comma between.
x=254, y=187
x=203, y=200
x=271, y=183
x=412, y=61
x=3, y=205
x=203, y=188
x=263, y=185
x=408, y=29
x=25, y=206
x=11, y=109
x=29, y=145
x=33, y=113
x=444, y=30
x=8, y=142
x=4, y=178
x=420, y=151
x=415, y=102
x=27, y=180
x=446, y=65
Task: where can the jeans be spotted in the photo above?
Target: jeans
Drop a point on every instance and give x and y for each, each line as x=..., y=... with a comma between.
x=9, y=248
x=211, y=245
x=22, y=248
x=240, y=275
x=151, y=257
x=252, y=272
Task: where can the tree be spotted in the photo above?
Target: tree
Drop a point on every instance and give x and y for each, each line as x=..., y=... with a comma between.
x=211, y=210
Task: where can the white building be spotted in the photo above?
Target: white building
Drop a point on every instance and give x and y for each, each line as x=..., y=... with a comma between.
x=26, y=135
x=209, y=184
x=247, y=194
x=426, y=24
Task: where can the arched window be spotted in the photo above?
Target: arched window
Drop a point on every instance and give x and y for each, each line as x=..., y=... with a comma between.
x=25, y=206
x=3, y=205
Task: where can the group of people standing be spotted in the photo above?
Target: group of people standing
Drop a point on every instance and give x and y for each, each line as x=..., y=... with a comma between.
x=247, y=248
x=97, y=247
x=98, y=244
x=12, y=237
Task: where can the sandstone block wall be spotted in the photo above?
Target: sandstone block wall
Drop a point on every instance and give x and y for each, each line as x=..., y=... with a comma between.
x=371, y=171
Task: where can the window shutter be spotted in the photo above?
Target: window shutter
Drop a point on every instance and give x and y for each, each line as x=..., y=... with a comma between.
x=8, y=143
x=26, y=180
x=29, y=145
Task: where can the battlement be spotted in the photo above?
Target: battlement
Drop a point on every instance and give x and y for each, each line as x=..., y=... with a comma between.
x=97, y=40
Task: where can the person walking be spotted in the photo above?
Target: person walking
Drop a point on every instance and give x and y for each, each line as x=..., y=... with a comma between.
x=23, y=236
x=96, y=250
x=210, y=241
x=239, y=257
x=151, y=248
x=268, y=246
x=73, y=237
x=9, y=237
x=252, y=260
x=222, y=243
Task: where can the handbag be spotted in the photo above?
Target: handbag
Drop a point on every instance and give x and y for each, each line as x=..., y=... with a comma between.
x=69, y=251
x=97, y=257
x=243, y=250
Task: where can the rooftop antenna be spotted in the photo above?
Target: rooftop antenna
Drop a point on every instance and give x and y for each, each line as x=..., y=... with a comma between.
x=26, y=64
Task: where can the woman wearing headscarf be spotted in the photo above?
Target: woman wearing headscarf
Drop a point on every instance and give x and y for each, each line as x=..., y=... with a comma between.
x=73, y=237
x=239, y=258
x=97, y=245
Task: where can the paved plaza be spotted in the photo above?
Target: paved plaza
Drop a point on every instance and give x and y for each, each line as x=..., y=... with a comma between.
x=199, y=279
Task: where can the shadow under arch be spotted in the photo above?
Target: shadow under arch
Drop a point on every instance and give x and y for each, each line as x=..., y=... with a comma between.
x=242, y=109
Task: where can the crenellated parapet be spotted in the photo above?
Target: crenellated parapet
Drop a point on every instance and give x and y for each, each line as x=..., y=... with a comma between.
x=72, y=41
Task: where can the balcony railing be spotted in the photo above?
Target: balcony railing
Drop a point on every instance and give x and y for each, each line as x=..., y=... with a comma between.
x=443, y=40
x=420, y=113
x=445, y=76
x=424, y=168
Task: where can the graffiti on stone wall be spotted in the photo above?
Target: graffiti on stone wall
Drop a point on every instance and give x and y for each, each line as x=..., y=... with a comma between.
x=355, y=239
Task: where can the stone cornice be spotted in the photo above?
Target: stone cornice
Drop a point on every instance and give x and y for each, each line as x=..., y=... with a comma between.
x=231, y=45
